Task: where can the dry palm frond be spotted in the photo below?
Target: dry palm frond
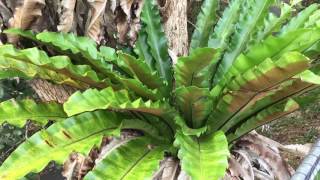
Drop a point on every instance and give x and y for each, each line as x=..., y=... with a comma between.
x=97, y=9
x=25, y=15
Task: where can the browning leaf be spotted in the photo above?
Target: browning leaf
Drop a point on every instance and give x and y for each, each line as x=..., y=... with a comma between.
x=71, y=166
x=126, y=7
x=97, y=8
x=78, y=165
x=236, y=170
x=268, y=153
x=122, y=25
x=128, y=20
x=25, y=15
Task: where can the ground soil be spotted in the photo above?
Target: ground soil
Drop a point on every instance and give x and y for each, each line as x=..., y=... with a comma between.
x=298, y=128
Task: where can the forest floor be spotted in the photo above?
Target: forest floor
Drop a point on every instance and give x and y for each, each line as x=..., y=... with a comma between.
x=299, y=128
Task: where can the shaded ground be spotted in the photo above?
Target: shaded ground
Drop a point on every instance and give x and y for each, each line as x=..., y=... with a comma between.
x=299, y=128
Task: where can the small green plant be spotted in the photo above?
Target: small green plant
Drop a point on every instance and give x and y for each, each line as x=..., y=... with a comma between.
x=245, y=71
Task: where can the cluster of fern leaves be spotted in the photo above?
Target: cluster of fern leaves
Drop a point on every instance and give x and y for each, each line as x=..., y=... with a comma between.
x=244, y=70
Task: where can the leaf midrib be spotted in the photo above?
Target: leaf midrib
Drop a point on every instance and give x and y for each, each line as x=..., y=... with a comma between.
x=57, y=148
x=135, y=164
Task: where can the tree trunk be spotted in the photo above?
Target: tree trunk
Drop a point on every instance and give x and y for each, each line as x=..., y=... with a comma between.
x=175, y=25
x=50, y=92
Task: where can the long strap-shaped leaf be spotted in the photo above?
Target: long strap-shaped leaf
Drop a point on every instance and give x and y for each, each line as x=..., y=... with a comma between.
x=82, y=73
x=247, y=25
x=263, y=117
x=195, y=104
x=11, y=73
x=140, y=89
x=255, y=82
x=18, y=112
x=272, y=23
x=302, y=83
x=272, y=47
x=193, y=70
x=81, y=49
x=142, y=48
x=60, y=64
x=221, y=36
x=300, y=19
x=33, y=71
x=203, y=158
x=225, y=26
x=309, y=98
x=93, y=99
x=146, y=127
x=79, y=134
x=313, y=20
x=141, y=70
x=156, y=40
x=136, y=159
x=204, y=25
x=62, y=41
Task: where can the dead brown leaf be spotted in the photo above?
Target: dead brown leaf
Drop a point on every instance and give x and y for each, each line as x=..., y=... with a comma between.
x=25, y=15
x=97, y=8
x=128, y=20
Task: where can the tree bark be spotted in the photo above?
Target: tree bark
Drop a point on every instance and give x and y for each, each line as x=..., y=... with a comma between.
x=175, y=25
x=50, y=92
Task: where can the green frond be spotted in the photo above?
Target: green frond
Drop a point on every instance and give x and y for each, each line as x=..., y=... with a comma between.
x=204, y=24
x=80, y=49
x=142, y=48
x=142, y=72
x=252, y=16
x=11, y=73
x=309, y=98
x=246, y=68
x=75, y=134
x=220, y=37
x=272, y=23
x=273, y=47
x=193, y=70
x=147, y=128
x=32, y=71
x=253, y=83
x=314, y=20
x=293, y=87
x=18, y=112
x=23, y=33
x=204, y=157
x=186, y=130
x=194, y=104
x=141, y=90
x=263, y=117
x=157, y=41
x=299, y=20
x=137, y=159
x=58, y=64
x=93, y=99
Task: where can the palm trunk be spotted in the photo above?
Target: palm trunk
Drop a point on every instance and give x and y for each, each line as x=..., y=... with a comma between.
x=175, y=25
